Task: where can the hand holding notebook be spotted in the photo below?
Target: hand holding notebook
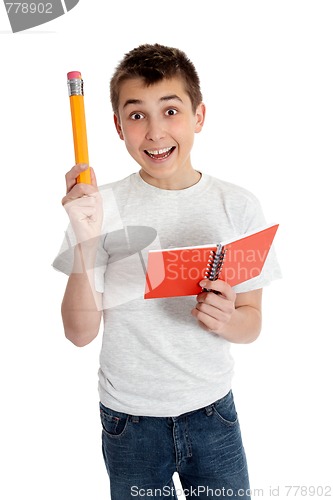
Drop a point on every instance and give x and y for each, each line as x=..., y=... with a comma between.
x=177, y=271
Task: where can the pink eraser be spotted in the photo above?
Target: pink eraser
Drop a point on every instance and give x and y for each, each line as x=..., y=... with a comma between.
x=74, y=74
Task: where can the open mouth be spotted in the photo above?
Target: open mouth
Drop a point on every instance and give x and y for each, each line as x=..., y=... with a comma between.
x=159, y=154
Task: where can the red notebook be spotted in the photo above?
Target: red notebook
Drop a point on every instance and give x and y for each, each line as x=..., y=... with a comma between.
x=177, y=272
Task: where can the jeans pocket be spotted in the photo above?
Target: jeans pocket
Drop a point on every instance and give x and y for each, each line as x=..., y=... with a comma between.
x=113, y=422
x=225, y=410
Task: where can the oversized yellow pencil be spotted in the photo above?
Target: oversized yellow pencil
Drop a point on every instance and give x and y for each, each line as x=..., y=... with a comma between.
x=76, y=97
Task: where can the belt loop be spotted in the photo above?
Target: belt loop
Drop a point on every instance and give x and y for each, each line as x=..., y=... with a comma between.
x=135, y=419
x=209, y=410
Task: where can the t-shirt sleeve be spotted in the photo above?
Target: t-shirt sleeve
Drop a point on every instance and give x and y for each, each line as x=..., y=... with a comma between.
x=254, y=219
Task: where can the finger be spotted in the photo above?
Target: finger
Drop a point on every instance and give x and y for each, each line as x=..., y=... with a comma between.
x=220, y=309
x=78, y=191
x=84, y=201
x=219, y=286
x=84, y=206
x=213, y=299
x=93, y=177
x=207, y=322
x=71, y=176
x=210, y=311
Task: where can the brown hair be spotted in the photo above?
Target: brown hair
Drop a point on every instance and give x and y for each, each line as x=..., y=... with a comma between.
x=153, y=63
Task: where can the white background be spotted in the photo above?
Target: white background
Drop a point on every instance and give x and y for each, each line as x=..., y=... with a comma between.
x=267, y=79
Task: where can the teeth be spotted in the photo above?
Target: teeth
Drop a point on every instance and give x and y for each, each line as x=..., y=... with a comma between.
x=158, y=151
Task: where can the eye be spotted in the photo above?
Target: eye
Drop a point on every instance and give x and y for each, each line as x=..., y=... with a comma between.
x=136, y=116
x=171, y=112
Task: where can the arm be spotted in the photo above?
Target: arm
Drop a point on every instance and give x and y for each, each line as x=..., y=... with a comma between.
x=82, y=305
x=235, y=317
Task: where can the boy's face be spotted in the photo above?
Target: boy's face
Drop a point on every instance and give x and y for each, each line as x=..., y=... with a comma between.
x=158, y=125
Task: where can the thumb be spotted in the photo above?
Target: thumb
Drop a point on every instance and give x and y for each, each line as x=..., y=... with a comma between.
x=93, y=177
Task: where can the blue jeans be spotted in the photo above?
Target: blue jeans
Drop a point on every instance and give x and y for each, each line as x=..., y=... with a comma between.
x=204, y=446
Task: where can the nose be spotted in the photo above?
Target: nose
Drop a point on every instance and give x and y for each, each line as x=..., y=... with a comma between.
x=155, y=130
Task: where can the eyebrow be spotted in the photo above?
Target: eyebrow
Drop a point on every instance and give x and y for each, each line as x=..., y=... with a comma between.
x=162, y=99
x=171, y=98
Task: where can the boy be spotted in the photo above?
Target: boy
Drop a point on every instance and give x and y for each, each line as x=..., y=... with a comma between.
x=165, y=369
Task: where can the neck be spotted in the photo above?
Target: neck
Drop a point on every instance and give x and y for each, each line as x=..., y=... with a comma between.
x=175, y=183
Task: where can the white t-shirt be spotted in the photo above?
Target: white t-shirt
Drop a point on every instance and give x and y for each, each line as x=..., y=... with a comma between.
x=155, y=358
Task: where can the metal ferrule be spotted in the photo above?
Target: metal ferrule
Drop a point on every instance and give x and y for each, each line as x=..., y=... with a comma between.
x=75, y=86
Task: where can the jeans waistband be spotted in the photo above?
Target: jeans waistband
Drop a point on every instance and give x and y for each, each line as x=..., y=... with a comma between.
x=209, y=409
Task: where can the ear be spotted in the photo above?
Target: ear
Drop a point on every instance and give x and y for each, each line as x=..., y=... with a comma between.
x=200, y=117
x=118, y=126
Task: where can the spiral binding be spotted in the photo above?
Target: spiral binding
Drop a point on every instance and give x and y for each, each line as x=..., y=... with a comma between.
x=215, y=263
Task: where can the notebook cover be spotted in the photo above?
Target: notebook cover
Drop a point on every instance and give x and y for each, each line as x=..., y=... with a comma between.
x=177, y=272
